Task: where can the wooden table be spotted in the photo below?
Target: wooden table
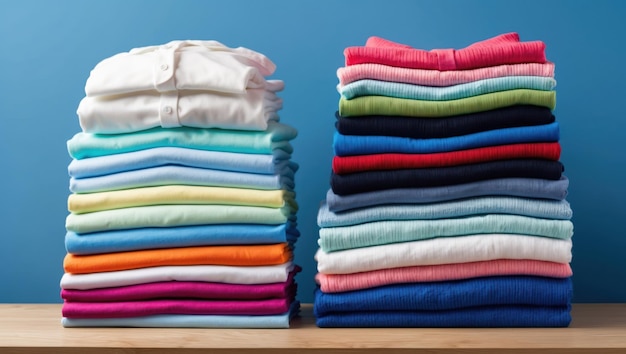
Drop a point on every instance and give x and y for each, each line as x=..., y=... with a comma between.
x=35, y=328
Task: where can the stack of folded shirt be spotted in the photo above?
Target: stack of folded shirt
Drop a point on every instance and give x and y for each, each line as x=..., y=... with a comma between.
x=182, y=212
x=447, y=203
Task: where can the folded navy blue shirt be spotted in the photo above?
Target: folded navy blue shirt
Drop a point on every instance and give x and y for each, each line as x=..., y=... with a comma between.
x=424, y=128
x=368, y=181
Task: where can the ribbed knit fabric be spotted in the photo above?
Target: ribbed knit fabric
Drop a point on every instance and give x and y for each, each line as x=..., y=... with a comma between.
x=205, y=273
x=175, y=215
x=424, y=77
x=190, y=321
x=345, y=145
x=428, y=128
x=532, y=207
x=179, y=194
x=391, y=106
x=485, y=316
x=429, y=93
x=442, y=176
x=391, y=231
x=516, y=187
x=118, y=309
x=502, y=49
x=179, y=236
x=372, y=162
x=449, y=295
x=335, y=283
x=248, y=255
x=445, y=250
x=277, y=136
x=171, y=174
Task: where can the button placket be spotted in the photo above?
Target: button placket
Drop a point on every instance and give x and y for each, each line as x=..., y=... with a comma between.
x=164, y=69
x=168, y=110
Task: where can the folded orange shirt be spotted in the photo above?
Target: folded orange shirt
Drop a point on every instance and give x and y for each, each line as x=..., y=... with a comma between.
x=242, y=255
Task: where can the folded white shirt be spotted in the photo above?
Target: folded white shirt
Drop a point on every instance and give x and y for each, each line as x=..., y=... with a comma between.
x=445, y=250
x=180, y=65
x=204, y=273
x=199, y=109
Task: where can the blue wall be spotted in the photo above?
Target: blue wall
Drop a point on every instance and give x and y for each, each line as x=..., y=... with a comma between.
x=48, y=48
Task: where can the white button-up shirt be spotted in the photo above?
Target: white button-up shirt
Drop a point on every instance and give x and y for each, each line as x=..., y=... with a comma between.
x=180, y=65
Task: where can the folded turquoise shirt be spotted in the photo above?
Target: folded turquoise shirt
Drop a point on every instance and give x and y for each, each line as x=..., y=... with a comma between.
x=538, y=208
x=168, y=175
x=394, y=231
x=345, y=145
x=178, y=236
x=160, y=156
x=429, y=93
x=277, y=136
x=176, y=215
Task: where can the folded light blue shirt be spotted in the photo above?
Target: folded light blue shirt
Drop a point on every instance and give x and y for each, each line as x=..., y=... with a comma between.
x=180, y=236
x=539, y=208
x=162, y=156
x=519, y=187
x=171, y=174
x=428, y=93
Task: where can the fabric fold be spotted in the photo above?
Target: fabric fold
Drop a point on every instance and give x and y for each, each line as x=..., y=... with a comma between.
x=486, y=316
x=169, y=175
x=229, y=255
x=276, y=136
x=425, y=77
x=184, y=289
x=376, y=233
x=197, y=109
x=392, y=161
x=118, y=309
x=502, y=49
x=346, y=145
x=429, y=93
x=175, y=215
x=180, y=65
x=337, y=283
x=109, y=241
x=445, y=250
x=531, y=207
x=391, y=106
x=428, y=128
x=205, y=273
x=442, y=176
x=190, y=321
x=514, y=187
x=179, y=194
x=161, y=156
x=449, y=295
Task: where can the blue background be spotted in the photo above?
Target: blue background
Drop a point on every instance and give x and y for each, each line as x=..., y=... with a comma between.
x=49, y=47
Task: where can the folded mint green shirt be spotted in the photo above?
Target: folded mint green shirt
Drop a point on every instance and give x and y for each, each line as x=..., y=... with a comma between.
x=277, y=136
x=386, y=232
x=176, y=215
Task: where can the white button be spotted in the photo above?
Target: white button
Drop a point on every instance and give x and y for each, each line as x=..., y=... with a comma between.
x=164, y=67
x=167, y=109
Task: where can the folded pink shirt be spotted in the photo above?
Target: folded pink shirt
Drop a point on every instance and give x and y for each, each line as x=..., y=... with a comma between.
x=332, y=283
x=175, y=306
x=503, y=49
x=185, y=289
x=424, y=77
